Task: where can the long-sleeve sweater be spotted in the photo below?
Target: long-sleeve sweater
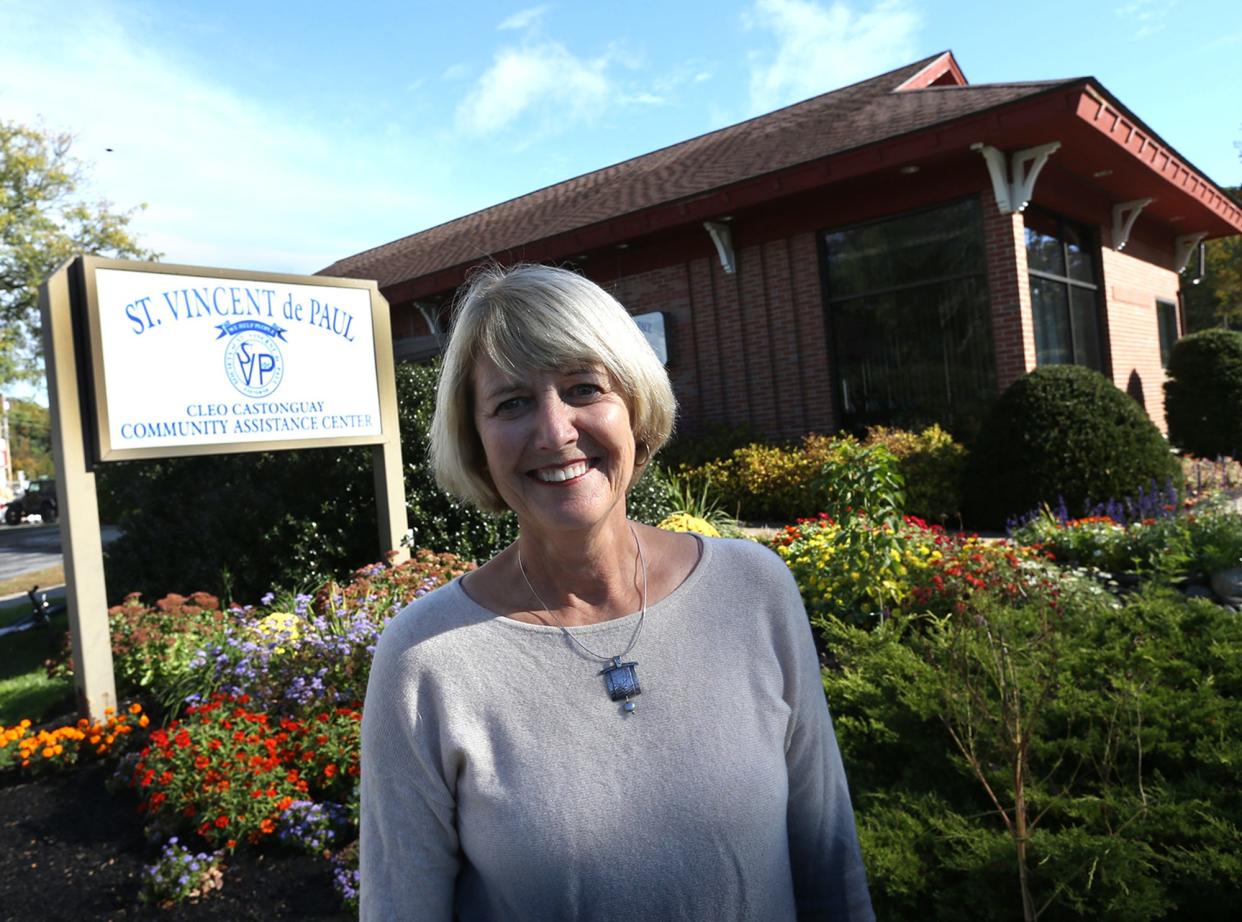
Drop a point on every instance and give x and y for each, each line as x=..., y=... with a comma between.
x=501, y=782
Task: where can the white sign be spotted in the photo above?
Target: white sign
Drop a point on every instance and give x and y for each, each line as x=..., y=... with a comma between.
x=196, y=360
x=652, y=326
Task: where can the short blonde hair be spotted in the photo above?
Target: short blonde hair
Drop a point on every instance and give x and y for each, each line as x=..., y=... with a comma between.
x=539, y=318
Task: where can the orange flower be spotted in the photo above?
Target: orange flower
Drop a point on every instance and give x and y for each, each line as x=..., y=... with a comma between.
x=267, y=827
x=135, y=708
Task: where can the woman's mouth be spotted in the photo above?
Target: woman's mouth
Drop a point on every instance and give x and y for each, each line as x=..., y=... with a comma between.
x=563, y=472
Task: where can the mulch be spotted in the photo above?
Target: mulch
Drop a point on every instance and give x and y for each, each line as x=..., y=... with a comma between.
x=70, y=849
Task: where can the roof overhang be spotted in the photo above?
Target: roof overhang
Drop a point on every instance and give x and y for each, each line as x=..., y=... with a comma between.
x=1101, y=142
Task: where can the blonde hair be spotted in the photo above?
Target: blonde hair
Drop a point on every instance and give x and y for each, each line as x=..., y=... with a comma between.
x=538, y=318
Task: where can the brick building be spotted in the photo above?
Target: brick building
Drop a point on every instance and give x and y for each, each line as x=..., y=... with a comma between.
x=896, y=251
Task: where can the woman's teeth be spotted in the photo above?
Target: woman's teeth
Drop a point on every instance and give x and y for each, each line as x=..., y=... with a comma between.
x=559, y=474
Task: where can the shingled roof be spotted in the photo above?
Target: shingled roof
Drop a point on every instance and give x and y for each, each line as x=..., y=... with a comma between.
x=858, y=115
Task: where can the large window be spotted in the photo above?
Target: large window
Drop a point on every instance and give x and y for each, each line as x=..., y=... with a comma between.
x=1060, y=259
x=908, y=310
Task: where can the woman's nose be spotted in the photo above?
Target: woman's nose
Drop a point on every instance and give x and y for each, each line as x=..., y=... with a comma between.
x=555, y=423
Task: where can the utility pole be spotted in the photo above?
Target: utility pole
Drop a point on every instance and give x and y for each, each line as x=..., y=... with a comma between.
x=5, y=458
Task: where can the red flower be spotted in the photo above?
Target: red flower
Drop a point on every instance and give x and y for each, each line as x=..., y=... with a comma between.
x=221, y=821
x=330, y=771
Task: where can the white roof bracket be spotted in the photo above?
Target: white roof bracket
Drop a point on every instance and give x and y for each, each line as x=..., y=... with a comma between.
x=723, y=238
x=1124, y=216
x=432, y=316
x=1183, y=246
x=1000, y=175
x=1024, y=166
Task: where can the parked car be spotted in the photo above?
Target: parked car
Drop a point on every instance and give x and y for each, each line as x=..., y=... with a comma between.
x=39, y=499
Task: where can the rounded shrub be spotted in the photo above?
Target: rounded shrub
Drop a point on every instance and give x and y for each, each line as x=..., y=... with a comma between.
x=1063, y=432
x=1203, y=396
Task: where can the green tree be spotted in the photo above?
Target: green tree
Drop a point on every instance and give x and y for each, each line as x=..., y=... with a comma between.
x=44, y=221
x=1216, y=299
x=30, y=438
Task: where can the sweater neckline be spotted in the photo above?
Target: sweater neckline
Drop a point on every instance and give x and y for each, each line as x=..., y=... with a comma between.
x=686, y=585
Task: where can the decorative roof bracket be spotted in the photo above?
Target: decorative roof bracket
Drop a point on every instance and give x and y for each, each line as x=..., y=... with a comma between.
x=1183, y=246
x=1124, y=216
x=1024, y=166
x=432, y=316
x=723, y=238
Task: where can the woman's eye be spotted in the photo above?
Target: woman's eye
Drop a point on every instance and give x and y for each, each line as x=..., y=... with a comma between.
x=585, y=391
x=510, y=406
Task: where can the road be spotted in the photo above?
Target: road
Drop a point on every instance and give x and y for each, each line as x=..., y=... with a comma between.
x=26, y=548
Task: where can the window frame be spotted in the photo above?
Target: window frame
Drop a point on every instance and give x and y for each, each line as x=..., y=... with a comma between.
x=1090, y=238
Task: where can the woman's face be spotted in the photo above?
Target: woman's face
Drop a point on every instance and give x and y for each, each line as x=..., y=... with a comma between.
x=558, y=444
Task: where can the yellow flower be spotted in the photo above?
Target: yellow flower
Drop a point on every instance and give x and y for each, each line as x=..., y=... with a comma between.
x=681, y=522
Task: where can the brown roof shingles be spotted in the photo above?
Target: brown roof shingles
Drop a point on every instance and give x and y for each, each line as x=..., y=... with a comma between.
x=854, y=116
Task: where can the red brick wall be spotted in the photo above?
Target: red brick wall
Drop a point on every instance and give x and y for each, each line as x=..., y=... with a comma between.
x=1009, y=291
x=747, y=347
x=1133, y=280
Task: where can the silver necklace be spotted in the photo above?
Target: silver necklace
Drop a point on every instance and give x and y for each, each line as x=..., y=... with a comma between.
x=620, y=679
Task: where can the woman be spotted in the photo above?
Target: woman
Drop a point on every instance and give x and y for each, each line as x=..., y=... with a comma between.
x=606, y=720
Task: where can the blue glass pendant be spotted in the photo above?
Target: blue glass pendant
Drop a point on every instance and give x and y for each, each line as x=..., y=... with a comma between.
x=621, y=680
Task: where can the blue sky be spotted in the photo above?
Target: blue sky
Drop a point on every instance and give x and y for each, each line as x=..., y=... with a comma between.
x=282, y=136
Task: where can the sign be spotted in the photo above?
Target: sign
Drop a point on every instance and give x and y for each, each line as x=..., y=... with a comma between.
x=187, y=362
x=652, y=326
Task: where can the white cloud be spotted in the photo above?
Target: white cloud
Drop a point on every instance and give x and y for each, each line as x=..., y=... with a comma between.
x=544, y=82
x=820, y=48
x=1146, y=16
x=230, y=181
x=524, y=19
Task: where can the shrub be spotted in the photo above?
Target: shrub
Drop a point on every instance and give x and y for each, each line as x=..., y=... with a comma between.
x=1103, y=712
x=213, y=521
x=1063, y=432
x=713, y=442
x=772, y=483
x=932, y=465
x=1203, y=395
x=650, y=500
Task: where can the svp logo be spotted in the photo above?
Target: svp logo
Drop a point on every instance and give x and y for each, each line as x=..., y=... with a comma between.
x=252, y=359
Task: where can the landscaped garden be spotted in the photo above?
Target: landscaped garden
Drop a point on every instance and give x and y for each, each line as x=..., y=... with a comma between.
x=1040, y=714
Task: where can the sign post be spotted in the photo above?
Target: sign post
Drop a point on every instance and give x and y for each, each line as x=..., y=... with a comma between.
x=147, y=360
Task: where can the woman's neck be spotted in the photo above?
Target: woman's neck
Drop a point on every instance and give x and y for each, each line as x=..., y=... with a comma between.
x=582, y=579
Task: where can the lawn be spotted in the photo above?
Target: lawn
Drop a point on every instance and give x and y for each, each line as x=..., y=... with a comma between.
x=26, y=691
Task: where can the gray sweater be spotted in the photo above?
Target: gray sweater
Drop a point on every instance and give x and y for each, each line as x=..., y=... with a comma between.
x=500, y=782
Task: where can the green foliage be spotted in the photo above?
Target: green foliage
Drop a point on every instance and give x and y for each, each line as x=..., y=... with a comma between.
x=239, y=525
x=709, y=443
x=1216, y=301
x=931, y=464
x=1203, y=396
x=30, y=438
x=1063, y=432
x=1216, y=539
x=650, y=500
x=43, y=222
x=768, y=483
x=1122, y=722
x=1158, y=549
x=153, y=646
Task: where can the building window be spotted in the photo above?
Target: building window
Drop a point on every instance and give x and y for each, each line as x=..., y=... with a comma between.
x=1060, y=259
x=1166, y=318
x=908, y=308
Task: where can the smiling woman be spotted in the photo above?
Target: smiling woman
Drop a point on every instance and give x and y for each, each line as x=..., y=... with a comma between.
x=605, y=718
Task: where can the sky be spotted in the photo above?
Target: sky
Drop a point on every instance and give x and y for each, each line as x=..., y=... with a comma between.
x=283, y=136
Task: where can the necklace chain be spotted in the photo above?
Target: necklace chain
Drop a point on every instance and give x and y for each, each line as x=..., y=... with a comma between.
x=641, y=618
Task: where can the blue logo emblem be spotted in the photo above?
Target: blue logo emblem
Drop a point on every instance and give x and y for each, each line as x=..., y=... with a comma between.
x=252, y=360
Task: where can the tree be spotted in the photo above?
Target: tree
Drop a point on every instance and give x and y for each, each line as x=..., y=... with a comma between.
x=30, y=438
x=43, y=222
x=1215, y=300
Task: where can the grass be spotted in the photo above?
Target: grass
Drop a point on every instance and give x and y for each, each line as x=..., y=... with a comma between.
x=25, y=689
x=52, y=576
